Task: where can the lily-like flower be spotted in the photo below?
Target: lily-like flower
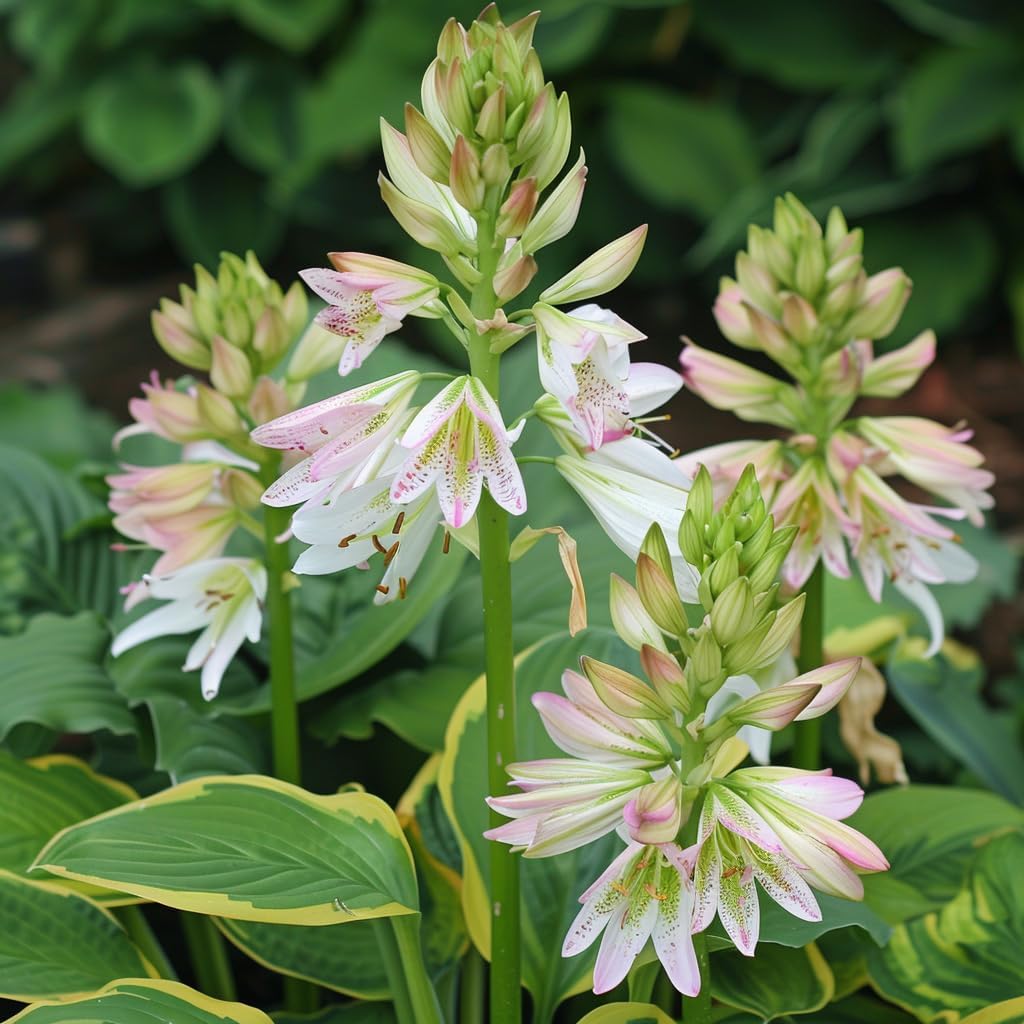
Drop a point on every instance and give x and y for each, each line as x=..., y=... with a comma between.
x=782, y=828
x=645, y=893
x=345, y=438
x=628, y=485
x=583, y=360
x=569, y=802
x=365, y=305
x=458, y=442
x=356, y=524
x=221, y=596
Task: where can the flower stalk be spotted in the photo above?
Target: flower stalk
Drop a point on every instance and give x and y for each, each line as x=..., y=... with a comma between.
x=807, y=745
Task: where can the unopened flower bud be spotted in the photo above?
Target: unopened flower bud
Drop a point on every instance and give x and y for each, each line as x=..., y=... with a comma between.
x=464, y=175
x=495, y=167
x=271, y=337
x=841, y=298
x=881, y=307
x=889, y=376
x=235, y=322
x=756, y=544
x=599, y=273
x=799, y=319
x=730, y=314
x=757, y=282
x=723, y=571
x=666, y=677
x=732, y=614
x=629, y=617
x=701, y=501
x=775, y=708
x=490, y=125
x=176, y=340
x=516, y=211
x=428, y=148
x=268, y=401
x=421, y=222
x=783, y=629
x=449, y=86
x=622, y=692
x=240, y=488
x=654, y=815
x=706, y=660
x=836, y=230
x=744, y=655
x=217, y=413
x=452, y=42
x=771, y=338
x=547, y=163
x=230, y=370
x=538, y=125
x=809, y=275
x=655, y=546
x=767, y=249
x=514, y=278
x=557, y=215
x=691, y=541
x=764, y=574
x=661, y=599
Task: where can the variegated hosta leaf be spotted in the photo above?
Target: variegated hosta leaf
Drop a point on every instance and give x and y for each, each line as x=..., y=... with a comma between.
x=347, y=1013
x=55, y=944
x=44, y=795
x=550, y=886
x=247, y=847
x=627, y=1013
x=966, y=956
x=1010, y=1011
x=138, y=1001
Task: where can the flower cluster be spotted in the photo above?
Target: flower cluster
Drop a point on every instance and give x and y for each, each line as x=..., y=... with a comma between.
x=655, y=759
x=472, y=177
x=802, y=297
x=235, y=326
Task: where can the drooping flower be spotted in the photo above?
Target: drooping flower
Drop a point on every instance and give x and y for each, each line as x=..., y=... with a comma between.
x=645, y=893
x=358, y=523
x=221, y=596
x=782, y=828
x=583, y=360
x=345, y=438
x=367, y=302
x=459, y=442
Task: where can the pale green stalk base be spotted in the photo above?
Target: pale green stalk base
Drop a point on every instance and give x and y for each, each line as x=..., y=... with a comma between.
x=388, y=946
x=135, y=924
x=496, y=583
x=698, y=1009
x=209, y=957
x=422, y=998
x=807, y=744
x=472, y=988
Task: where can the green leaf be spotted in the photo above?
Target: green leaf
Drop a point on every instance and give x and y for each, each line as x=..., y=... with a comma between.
x=679, y=152
x=803, y=45
x=55, y=424
x=45, y=795
x=49, y=31
x=965, y=956
x=250, y=848
x=294, y=26
x=190, y=745
x=930, y=834
x=56, y=944
x=783, y=929
x=53, y=676
x=262, y=113
x=344, y=958
x=34, y=113
x=776, y=982
x=1010, y=1011
x=858, y=1009
x=147, y=123
x=954, y=100
x=944, y=698
x=349, y=1013
x=550, y=886
x=627, y=1013
x=134, y=1001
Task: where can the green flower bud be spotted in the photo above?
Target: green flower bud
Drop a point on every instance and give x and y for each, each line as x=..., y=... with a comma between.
x=428, y=148
x=655, y=547
x=763, y=575
x=661, y=599
x=691, y=539
x=630, y=618
x=723, y=571
x=732, y=614
x=706, y=661
x=230, y=371
x=809, y=275
x=744, y=655
x=666, y=677
x=701, y=500
x=622, y=692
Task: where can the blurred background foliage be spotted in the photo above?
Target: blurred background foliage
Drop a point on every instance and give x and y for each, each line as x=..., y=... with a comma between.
x=141, y=134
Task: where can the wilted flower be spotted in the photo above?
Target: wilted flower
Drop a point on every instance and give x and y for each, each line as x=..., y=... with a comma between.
x=221, y=596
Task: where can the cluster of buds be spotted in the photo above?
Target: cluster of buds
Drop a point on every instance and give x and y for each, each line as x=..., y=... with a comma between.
x=655, y=759
x=236, y=326
x=802, y=297
x=377, y=474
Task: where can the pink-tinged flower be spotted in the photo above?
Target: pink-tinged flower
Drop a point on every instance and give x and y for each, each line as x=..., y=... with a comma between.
x=892, y=374
x=628, y=485
x=221, y=596
x=345, y=438
x=645, y=893
x=356, y=524
x=364, y=305
x=731, y=385
x=808, y=500
x=779, y=827
x=165, y=412
x=726, y=462
x=583, y=360
x=459, y=441
x=154, y=492
x=935, y=457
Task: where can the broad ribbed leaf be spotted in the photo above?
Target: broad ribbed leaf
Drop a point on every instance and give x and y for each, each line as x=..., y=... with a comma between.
x=45, y=795
x=55, y=944
x=627, y=1013
x=349, y=1013
x=53, y=675
x=776, y=982
x=140, y=1001
x=248, y=847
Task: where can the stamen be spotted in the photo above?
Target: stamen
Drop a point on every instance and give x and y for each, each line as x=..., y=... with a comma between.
x=397, y=528
x=324, y=430
x=377, y=544
x=345, y=541
x=403, y=587
x=391, y=552
x=447, y=543
x=382, y=588
x=654, y=893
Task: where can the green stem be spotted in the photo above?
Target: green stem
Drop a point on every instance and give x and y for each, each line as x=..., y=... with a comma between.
x=472, y=988
x=422, y=998
x=807, y=743
x=209, y=957
x=135, y=924
x=388, y=946
x=641, y=981
x=284, y=710
x=496, y=583
x=698, y=1009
